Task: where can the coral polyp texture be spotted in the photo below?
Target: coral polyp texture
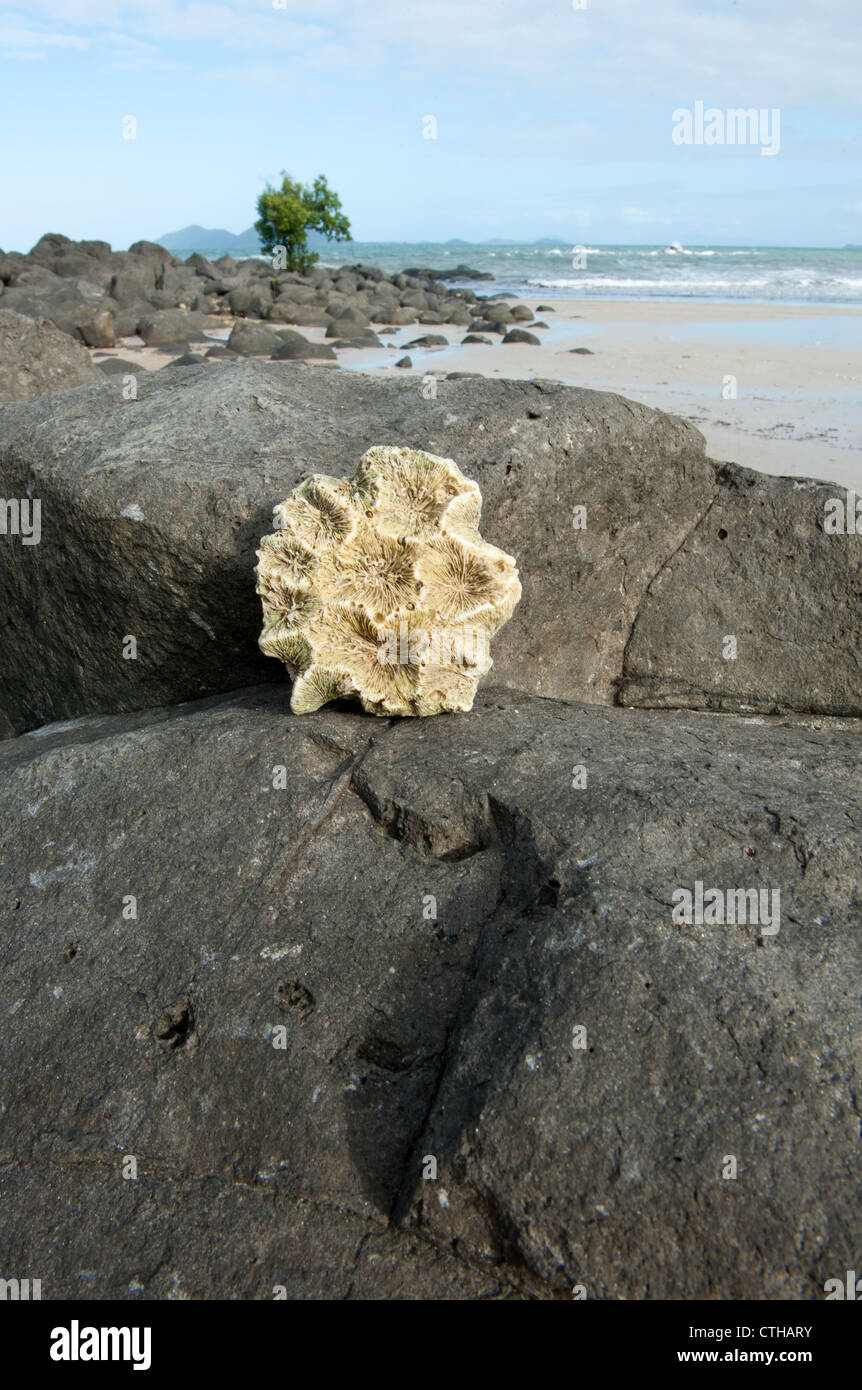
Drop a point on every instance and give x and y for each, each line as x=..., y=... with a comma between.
x=379, y=587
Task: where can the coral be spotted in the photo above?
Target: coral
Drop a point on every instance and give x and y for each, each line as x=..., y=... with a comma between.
x=380, y=588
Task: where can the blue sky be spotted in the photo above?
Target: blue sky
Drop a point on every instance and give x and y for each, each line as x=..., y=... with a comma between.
x=552, y=120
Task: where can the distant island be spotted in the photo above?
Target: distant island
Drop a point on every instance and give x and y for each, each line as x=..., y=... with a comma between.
x=195, y=238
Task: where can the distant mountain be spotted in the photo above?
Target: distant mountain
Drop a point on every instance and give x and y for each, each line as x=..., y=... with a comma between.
x=203, y=239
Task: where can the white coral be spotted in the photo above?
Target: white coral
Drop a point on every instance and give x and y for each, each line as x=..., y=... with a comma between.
x=380, y=587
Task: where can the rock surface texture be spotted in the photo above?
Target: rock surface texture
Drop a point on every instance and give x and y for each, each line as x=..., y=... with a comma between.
x=638, y=555
x=380, y=588
x=36, y=358
x=399, y=1009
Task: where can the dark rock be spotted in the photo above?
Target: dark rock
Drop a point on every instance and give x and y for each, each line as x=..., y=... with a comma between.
x=221, y=352
x=168, y=326
x=67, y=307
x=204, y=456
x=303, y=315
x=49, y=246
x=521, y=313
x=153, y=253
x=546, y=309
x=477, y=338
x=188, y=359
x=253, y=340
x=37, y=358
x=520, y=335
x=283, y=1021
x=202, y=266
x=404, y=362
x=483, y=326
x=99, y=331
x=101, y=250
x=251, y=301
x=359, y=340
x=348, y=323
x=398, y=317
x=461, y=272
x=294, y=347
x=128, y=320
x=583, y=352
x=33, y=276
x=429, y=340
x=116, y=366
x=174, y=349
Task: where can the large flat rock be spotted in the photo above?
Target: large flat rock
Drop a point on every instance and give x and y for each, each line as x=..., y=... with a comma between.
x=152, y=509
x=428, y=909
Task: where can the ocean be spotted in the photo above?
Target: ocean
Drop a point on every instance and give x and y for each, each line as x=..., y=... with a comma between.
x=756, y=274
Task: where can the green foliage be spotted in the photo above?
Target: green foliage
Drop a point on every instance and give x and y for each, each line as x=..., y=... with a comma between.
x=286, y=214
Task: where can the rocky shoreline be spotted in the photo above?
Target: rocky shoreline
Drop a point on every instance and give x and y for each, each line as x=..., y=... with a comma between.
x=102, y=298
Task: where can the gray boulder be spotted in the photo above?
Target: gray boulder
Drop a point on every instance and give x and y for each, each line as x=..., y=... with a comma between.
x=67, y=306
x=166, y=326
x=254, y=340
x=429, y=340
x=154, y=508
x=282, y=963
x=98, y=332
x=250, y=301
x=36, y=358
x=293, y=346
x=520, y=335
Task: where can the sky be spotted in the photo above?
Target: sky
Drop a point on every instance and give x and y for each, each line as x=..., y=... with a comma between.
x=550, y=117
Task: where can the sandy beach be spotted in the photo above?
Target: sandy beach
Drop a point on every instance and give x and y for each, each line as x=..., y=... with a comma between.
x=793, y=408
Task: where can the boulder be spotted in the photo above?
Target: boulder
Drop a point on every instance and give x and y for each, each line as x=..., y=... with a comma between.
x=283, y=961
x=201, y=266
x=186, y=359
x=165, y=326
x=153, y=508
x=117, y=366
x=130, y=286
x=520, y=335
x=73, y=265
x=349, y=320
x=154, y=254
x=250, y=301
x=404, y=362
x=478, y=338
x=294, y=346
x=98, y=332
x=303, y=315
x=254, y=340
x=35, y=276
x=429, y=340
x=48, y=247
x=128, y=320
x=67, y=306
x=37, y=358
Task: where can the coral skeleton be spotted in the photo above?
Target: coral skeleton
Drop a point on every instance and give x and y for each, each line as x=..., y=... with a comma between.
x=379, y=588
